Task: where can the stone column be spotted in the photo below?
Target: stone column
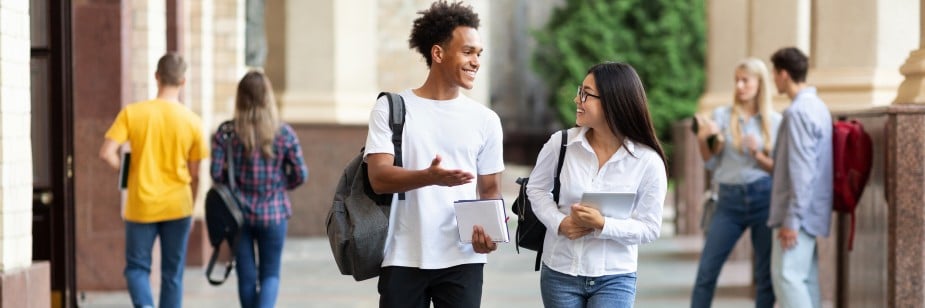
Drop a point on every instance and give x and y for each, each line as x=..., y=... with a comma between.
x=912, y=89
x=727, y=37
x=22, y=283
x=860, y=72
x=329, y=61
x=200, y=97
x=400, y=68
x=337, y=55
x=905, y=189
x=15, y=141
x=740, y=29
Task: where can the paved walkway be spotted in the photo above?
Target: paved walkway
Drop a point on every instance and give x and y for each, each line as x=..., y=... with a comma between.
x=310, y=277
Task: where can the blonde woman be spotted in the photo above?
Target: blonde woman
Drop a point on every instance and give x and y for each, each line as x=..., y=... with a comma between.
x=267, y=161
x=736, y=146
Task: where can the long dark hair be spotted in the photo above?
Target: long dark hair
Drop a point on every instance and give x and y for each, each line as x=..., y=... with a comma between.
x=625, y=105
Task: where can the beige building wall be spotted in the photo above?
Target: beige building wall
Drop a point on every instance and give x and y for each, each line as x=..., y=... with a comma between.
x=228, y=56
x=739, y=29
x=858, y=48
x=149, y=43
x=15, y=138
x=199, y=94
x=329, y=59
x=855, y=46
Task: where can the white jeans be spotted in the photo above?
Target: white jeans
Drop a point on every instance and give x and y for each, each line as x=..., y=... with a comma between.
x=795, y=273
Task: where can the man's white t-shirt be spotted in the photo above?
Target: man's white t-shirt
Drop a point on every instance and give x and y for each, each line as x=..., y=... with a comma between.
x=467, y=136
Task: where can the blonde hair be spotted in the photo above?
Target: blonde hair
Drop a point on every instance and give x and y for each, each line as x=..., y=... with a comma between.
x=256, y=120
x=757, y=68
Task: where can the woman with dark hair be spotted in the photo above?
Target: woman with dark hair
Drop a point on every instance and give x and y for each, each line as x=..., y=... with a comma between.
x=590, y=260
x=267, y=161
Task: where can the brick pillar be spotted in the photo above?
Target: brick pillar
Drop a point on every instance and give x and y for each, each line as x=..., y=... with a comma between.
x=101, y=49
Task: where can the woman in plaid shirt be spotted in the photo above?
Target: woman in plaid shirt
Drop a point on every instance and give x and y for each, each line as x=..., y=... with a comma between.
x=268, y=161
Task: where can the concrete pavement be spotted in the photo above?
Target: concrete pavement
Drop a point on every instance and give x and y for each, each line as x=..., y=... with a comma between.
x=310, y=277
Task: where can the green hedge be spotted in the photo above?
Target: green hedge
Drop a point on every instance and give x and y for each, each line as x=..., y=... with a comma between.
x=663, y=39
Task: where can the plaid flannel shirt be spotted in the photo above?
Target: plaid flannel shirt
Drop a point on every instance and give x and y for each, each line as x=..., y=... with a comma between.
x=262, y=182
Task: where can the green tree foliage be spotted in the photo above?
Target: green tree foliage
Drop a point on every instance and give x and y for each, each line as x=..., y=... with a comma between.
x=662, y=39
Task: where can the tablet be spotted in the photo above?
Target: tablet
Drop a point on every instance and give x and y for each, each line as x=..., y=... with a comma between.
x=611, y=204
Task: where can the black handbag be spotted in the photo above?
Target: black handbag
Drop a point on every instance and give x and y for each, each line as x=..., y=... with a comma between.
x=224, y=219
x=530, y=230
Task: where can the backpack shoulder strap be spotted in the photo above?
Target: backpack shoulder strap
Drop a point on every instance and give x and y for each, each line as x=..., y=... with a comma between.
x=555, y=188
x=397, y=123
x=226, y=129
x=558, y=183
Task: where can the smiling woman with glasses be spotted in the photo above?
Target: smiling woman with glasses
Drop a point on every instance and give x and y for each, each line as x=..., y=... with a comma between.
x=613, y=149
x=583, y=96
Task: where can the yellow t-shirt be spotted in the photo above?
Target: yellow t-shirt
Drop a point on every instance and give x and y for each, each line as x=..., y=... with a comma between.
x=164, y=136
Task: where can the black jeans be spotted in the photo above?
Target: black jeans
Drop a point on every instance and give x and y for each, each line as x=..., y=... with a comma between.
x=457, y=286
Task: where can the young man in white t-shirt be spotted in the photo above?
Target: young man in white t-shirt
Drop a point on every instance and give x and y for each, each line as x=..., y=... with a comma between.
x=452, y=150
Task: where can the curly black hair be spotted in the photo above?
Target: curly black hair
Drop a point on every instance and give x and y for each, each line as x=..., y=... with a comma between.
x=436, y=25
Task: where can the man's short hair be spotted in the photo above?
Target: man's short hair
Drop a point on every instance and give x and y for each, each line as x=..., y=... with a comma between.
x=793, y=61
x=170, y=69
x=436, y=25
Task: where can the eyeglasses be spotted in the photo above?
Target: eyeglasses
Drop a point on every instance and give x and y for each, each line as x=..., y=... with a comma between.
x=583, y=96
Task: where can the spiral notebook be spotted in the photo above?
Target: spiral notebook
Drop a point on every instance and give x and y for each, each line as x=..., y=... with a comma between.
x=488, y=213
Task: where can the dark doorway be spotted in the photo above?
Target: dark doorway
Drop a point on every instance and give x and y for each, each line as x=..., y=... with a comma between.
x=52, y=158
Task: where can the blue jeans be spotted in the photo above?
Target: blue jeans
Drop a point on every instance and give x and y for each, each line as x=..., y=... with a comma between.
x=561, y=290
x=738, y=207
x=265, y=264
x=139, y=239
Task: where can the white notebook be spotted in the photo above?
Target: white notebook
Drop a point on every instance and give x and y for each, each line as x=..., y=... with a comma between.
x=611, y=204
x=488, y=213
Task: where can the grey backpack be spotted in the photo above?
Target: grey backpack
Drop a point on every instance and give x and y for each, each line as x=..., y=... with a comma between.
x=358, y=221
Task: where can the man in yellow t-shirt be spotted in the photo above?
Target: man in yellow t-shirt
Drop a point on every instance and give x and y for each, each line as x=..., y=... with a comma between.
x=167, y=144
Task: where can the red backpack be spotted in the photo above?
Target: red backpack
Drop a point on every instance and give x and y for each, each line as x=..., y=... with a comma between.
x=853, y=151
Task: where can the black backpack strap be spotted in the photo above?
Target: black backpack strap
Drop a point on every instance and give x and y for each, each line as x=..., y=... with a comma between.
x=558, y=184
x=228, y=267
x=397, y=123
x=227, y=131
x=555, y=188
